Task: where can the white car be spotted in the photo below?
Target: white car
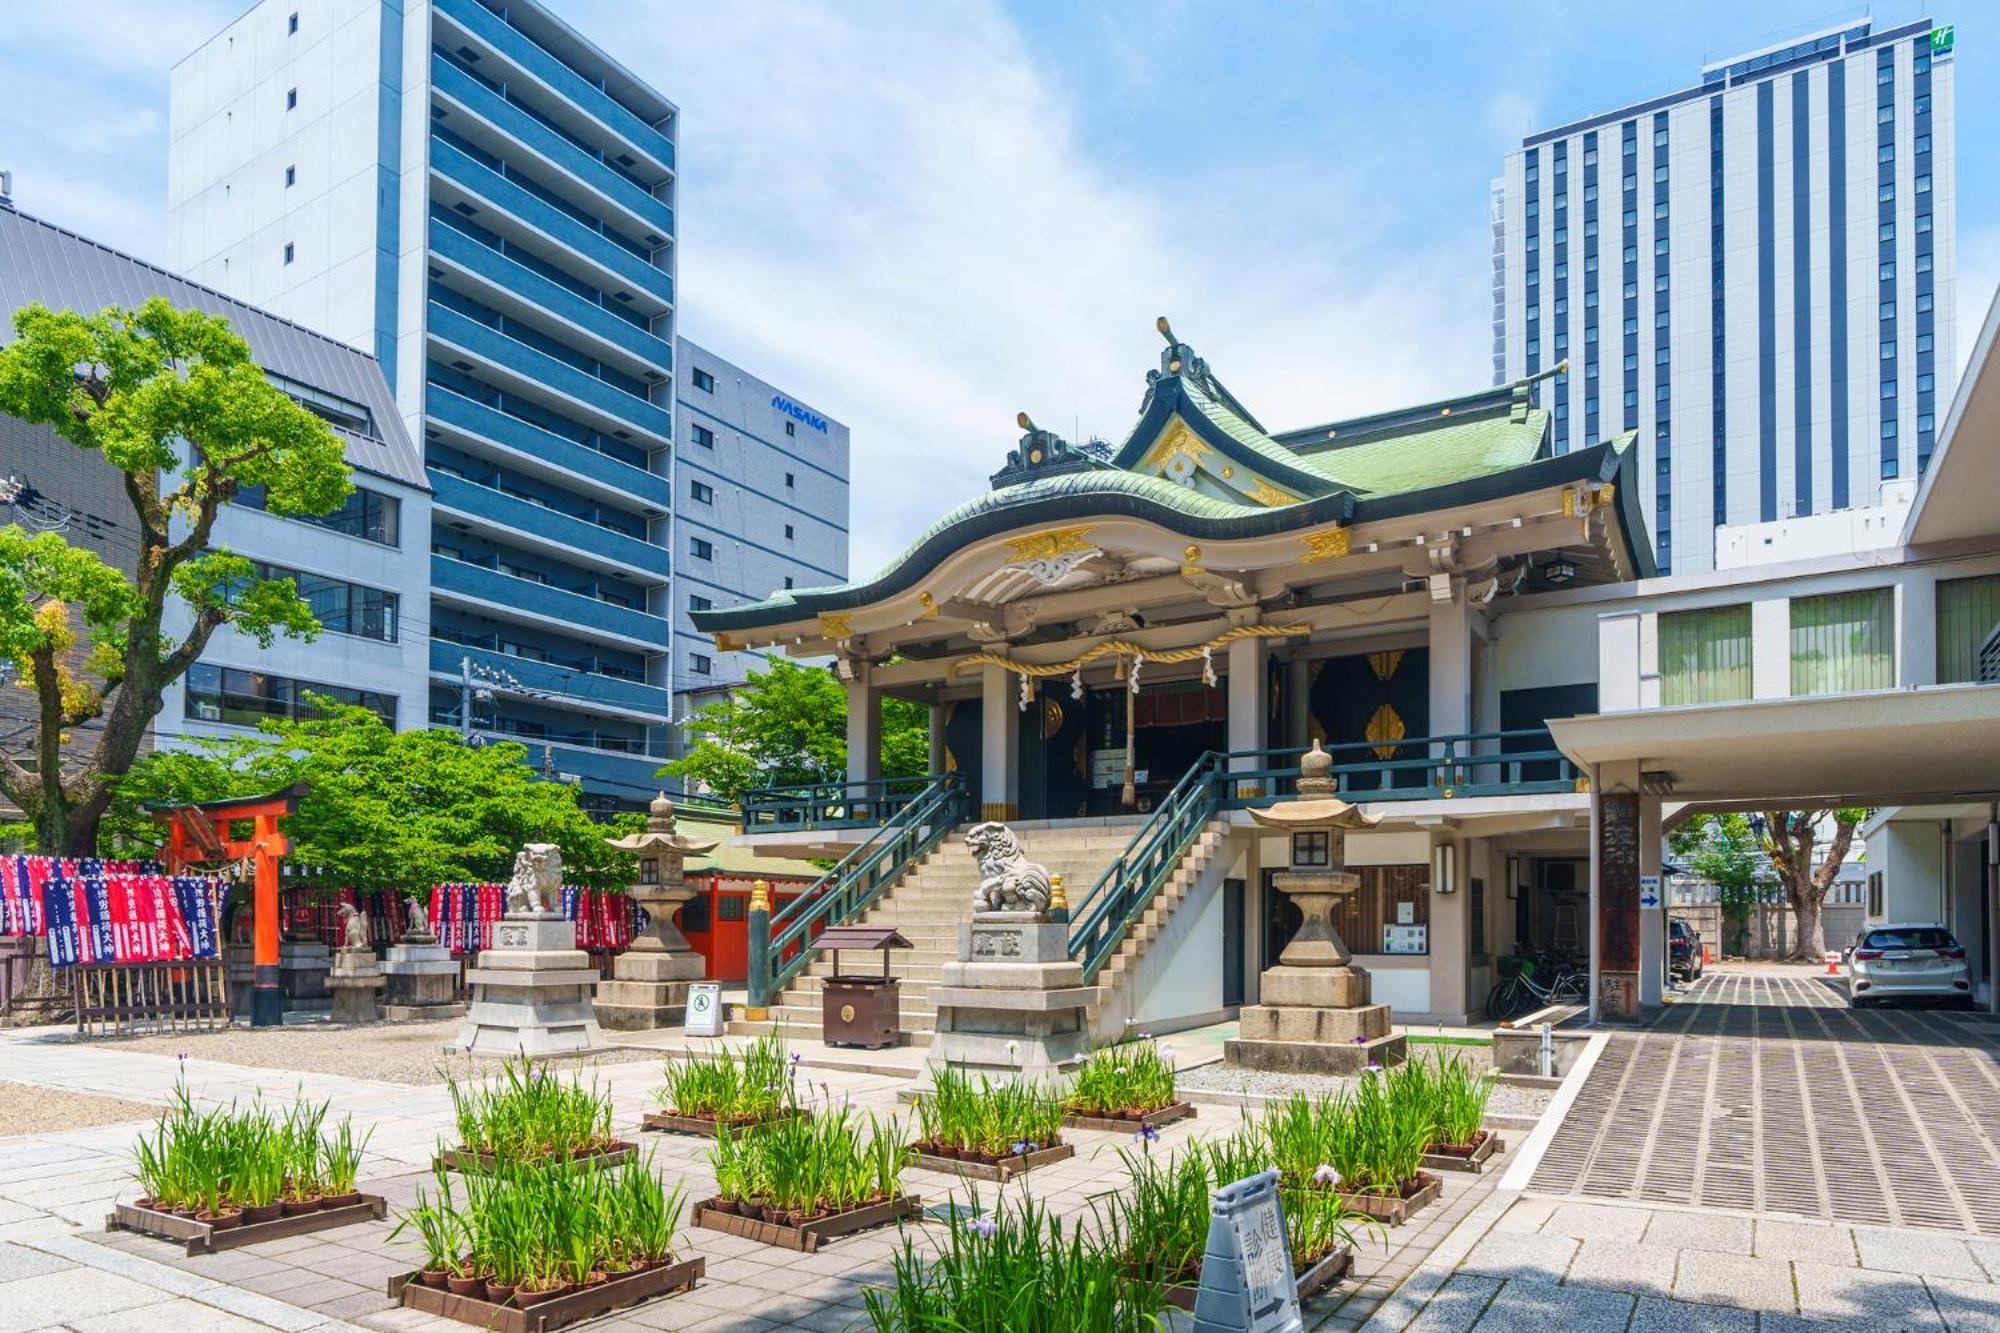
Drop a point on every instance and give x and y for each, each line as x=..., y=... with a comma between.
x=1906, y=961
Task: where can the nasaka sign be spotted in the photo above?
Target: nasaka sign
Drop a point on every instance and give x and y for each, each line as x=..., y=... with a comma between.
x=797, y=413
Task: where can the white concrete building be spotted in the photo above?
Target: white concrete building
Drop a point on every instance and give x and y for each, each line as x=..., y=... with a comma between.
x=1754, y=274
x=365, y=569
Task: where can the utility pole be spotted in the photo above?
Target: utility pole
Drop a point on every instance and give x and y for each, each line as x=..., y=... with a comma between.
x=465, y=697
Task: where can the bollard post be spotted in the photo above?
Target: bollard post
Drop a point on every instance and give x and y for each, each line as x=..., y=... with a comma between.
x=760, y=952
x=1545, y=1061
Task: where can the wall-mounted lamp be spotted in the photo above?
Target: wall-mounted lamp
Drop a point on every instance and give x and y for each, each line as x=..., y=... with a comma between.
x=1559, y=572
x=1444, y=867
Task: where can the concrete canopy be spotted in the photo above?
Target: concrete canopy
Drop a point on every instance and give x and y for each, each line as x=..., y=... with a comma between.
x=1956, y=500
x=1884, y=747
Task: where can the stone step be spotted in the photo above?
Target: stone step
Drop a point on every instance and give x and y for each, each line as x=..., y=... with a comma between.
x=741, y=1027
x=800, y=1018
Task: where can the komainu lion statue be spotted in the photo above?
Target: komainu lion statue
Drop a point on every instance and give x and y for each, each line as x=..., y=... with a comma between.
x=537, y=879
x=1008, y=881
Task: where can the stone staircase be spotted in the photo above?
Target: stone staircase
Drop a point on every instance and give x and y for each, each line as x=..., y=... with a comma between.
x=933, y=898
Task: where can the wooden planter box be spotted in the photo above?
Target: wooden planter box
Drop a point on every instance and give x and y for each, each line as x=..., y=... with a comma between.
x=1166, y=1115
x=1474, y=1162
x=662, y=1123
x=201, y=1238
x=616, y=1294
x=1311, y=1282
x=1003, y=1170
x=1390, y=1209
x=811, y=1235
x=458, y=1159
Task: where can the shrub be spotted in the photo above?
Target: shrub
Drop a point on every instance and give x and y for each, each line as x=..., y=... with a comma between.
x=1128, y=1077
x=528, y=1113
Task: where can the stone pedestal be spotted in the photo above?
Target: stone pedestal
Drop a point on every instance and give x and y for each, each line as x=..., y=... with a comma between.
x=422, y=982
x=240, y=963
x=1013, y=1003
x=531, y=992
x=1313, y=1014
x=649, y=981
x=355, y=979
x=302, y=969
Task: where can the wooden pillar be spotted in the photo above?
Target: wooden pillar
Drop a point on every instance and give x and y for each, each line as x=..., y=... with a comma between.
x=1614, y=886
x=999, y=745
x=864, y=730
x=267, y=997
x=1248, y=707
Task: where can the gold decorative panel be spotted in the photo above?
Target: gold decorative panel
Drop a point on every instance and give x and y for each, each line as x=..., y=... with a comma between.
x=1384, y=664
x=833, y=626
x=1384, y=728
x=1048, y=545
x=1330, y=544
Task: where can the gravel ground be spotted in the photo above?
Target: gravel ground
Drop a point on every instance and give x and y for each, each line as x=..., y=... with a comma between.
x=28, y=1109
x=1507, y=1099
x=410, y=1053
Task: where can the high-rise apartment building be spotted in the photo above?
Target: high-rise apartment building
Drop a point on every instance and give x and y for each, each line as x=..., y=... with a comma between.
x=1754, y=274
x=483, y=199
x=761, y=506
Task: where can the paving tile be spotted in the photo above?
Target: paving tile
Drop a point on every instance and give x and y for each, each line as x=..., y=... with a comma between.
x=18, y=1261
x=1660, y=1316
x=1532, y=1256
x=1618, y=1265
x=73, y=1293
x=1596, y=1221
x=1780, y=1238
x=1967, y=1307
x=1830, y=1294
x=1987, y=1252
x=1457, y=1305
x=1730, y=1279
x=1536, y=1307
x=179, y=1315
x=1725, y=1233
x=1916, y=1252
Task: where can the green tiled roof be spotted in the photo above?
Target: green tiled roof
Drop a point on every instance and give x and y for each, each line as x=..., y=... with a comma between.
x=728, y=860
x=1437, y=456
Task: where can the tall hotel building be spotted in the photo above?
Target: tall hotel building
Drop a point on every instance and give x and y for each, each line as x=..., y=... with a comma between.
x=484, y=200
x=1754, y=274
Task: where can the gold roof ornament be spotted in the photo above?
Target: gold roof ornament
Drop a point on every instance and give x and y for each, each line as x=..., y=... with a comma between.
x=1048, y=545
x=1327, y=544
x=834, y=626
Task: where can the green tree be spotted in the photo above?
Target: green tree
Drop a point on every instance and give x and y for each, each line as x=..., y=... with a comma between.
x=394, y=810
x=788, y=724
x=1725, y=851
x=1789, y=837
x=172, y=399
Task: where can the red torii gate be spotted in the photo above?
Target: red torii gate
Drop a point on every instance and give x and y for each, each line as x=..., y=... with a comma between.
x=200, y=833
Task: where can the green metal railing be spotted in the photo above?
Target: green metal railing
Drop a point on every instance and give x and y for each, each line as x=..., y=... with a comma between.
x=779, y=940
x=1418, y=768
x=836, y=803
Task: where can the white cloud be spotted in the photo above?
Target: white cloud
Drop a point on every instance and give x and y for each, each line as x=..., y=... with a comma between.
x=887, y=211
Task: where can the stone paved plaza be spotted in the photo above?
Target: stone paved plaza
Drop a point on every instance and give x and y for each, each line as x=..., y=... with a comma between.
x=1524, y=1246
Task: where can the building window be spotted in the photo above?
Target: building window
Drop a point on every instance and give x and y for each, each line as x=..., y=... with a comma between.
x=292, y=23
x=291, y=177
x=245, y=698
x=703, y=436
x=703, y=380
x=288, y=252
x=791, y=481
x=291, y=99
x=791, y=428
x=1844, y=641
x=788, y=532
x=700, y=664
x=369, y=515
x=788, y=580
x=701, y=491
x=1967, y=611
x=701, y=548
x=696, y=602
x=1705, y=655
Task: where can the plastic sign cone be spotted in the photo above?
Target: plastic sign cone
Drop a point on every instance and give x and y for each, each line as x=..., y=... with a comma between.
x=1833, y=964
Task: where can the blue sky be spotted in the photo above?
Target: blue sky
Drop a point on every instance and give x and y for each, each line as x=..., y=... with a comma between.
x=923, y=218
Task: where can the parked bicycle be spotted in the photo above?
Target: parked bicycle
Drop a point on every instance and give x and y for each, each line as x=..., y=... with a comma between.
x=1531, y=982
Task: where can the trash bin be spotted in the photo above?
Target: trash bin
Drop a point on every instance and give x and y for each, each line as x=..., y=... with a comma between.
x=861, y=1010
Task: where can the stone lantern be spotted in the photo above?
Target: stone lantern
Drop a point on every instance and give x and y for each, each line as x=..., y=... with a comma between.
x=650, y=979
x=1314, y=1013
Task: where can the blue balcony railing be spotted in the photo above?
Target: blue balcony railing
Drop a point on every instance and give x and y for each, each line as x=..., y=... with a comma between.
x=486, y=105
x=590, y=687
x=518, y=515
x=1417, y=768
x=474, y=176
x=538, y=367
x=527, y=285
x=579, y=610
x=587, y=97
x=490, y=423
